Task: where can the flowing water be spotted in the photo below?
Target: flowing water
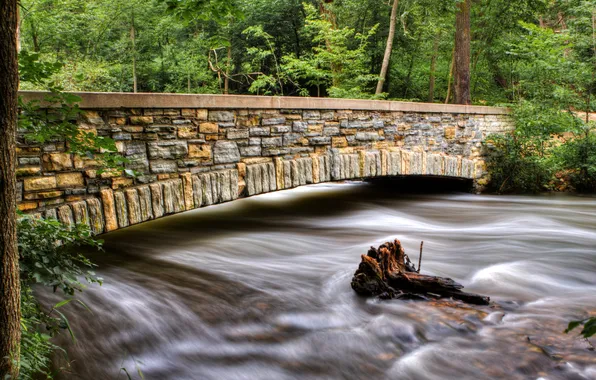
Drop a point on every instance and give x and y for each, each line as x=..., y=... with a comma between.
x=260, y=289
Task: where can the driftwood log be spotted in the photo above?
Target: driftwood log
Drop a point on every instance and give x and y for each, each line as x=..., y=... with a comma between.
x=387, y=272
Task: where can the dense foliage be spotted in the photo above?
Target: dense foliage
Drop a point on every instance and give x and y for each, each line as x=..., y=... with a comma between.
x=49, y=257
x=313, y=48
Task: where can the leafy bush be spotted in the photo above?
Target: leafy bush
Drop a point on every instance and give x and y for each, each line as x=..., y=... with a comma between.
x=49, y=257
x=578, y=155
x=522, y=162
x=513, y=166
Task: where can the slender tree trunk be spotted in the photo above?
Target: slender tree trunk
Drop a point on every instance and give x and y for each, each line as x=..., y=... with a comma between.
x=462, y=53
x=450, y=76
x=589, y=105
x=433, y=68
x=388, y=48
x=10, y=299
x=134, y=52
x=228, y=66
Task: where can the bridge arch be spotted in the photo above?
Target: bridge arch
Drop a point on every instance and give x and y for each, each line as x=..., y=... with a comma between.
x=198, y=150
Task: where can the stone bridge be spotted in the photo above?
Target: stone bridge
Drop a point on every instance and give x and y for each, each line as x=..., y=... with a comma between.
x=193, y=151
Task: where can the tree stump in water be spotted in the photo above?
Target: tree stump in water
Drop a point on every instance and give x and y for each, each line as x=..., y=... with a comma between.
x=388, y=273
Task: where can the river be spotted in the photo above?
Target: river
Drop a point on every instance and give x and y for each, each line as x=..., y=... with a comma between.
x=260, y=289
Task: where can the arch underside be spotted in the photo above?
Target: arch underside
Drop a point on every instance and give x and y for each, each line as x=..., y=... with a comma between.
x=115, y=209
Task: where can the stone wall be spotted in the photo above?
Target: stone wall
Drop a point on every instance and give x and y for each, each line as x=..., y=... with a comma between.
x=191, y=155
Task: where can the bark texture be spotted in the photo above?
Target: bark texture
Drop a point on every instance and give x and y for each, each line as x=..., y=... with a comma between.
x=388, y=48
x=387, y=273
x=9, y=258
x=462, y=53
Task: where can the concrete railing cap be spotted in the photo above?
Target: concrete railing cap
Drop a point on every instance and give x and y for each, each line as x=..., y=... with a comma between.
x=106, y=100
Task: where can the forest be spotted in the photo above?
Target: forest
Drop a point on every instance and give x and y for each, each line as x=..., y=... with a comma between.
x=519, y=49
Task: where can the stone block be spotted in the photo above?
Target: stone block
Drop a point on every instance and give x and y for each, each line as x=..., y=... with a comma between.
x=272, y=176
x=134, y=206
x=259, y=131
x=206, y=189
x=208, y=128
x=367, y=136
x=451, y=166
x=19, y=191
x=299, y=126
x=28, y=171
x=160, y=129
x=189, y=202
x=27, y=206
x=39, y=183
x=141, y=120
x=109, y=210
x=215, y=188
x=280, y=129
x=434, y=164
x=145, y=203
x=57, y=161
x=331, y=131
x=273, y=121
x=29, y=161
x=237, y=133
x=50, y=214
x=295, y=168
x=311, y=115
x=450, y=133
x=69, y=180
x=272, y=142
x=294, y=138
x=320, y=140
x=121, y=209
x=167, y=188
x=250, y=180
x=250, y=151
x=197, y=191
x=65, y=215
x=287, y=174
x=202, y=114
x=96, y=219
x=157, y=204
x=235, y=184
x=187, y=132
x=163, y=167
x=200, y=151
x=221, y=116
x=265, y=178
x=225, y=152
x=339, y=142
x=121, y=182
x=167, y=150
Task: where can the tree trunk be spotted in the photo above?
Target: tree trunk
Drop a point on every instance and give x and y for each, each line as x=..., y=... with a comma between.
x=228, y=66
x=433, y=69
x=450, y=76
x=134, y=52
x=388, y=48
x=589, y=102
x=10, y=298
x=462, y=53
